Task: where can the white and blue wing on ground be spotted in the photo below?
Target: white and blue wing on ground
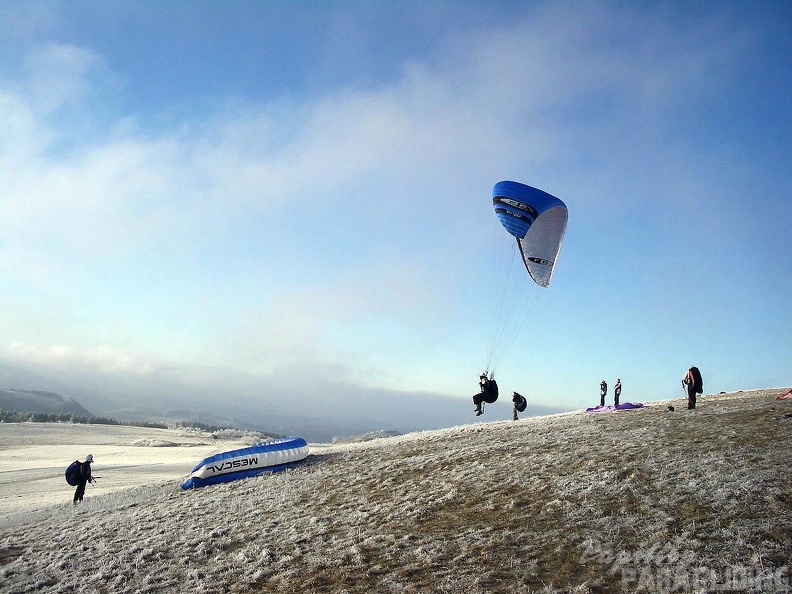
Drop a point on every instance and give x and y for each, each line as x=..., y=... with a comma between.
x=265, y=457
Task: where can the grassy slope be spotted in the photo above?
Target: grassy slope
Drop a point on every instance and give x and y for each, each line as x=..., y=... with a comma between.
x=544, y=504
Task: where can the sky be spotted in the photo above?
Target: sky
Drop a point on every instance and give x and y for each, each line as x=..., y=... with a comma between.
x=303, y=189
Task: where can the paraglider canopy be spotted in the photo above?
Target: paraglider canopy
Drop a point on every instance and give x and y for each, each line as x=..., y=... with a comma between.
x=537, y=220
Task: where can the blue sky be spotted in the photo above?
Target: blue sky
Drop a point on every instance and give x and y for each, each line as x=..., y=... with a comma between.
x=305, y=188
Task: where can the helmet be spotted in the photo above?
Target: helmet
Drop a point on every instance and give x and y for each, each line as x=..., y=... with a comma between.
x=89, y=458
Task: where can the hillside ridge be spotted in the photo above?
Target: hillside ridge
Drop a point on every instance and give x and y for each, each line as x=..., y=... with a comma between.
x=645, y=500
x=39, y=401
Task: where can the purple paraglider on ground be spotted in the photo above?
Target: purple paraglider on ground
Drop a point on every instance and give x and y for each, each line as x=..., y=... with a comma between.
x=623, y=406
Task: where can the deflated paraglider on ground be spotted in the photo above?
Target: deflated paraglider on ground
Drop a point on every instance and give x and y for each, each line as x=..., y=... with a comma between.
x=623, y=406
x=265, y=457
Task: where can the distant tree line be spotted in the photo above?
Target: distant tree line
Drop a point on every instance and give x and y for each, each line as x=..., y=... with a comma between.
x=15, y=416
x=203, y=426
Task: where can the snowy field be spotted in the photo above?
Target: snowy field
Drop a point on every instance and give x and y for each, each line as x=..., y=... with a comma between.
x=640, y=501
x=34, y=456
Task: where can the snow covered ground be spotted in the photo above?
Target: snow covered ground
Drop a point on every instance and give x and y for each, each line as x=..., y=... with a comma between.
x=570, y=503
x=34, y=456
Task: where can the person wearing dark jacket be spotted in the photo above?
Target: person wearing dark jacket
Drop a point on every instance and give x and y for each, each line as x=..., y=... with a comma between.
x=616, y=392
x=488, y=392
x=694, y=384
x=85, y=478
x=519, y=405
x=603, y=392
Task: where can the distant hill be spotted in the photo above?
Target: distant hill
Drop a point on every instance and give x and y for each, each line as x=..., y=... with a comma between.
x=285, y=404
x=39, y=401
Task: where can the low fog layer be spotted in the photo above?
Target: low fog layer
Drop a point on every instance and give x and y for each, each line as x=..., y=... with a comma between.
x=289, y=403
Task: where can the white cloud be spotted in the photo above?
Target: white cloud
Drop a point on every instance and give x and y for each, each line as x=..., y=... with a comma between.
x=362, y=311
x=104, y=359
x=59, y=75
x=504, y=102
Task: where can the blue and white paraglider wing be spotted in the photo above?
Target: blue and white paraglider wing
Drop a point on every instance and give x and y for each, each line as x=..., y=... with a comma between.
x=537, y=220
x=265, y=457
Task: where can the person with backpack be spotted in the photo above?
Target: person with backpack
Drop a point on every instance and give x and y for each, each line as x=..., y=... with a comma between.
x=519, y=405
x=616, y=392
x=81, y=476
x=488, y=392
x=694, y=384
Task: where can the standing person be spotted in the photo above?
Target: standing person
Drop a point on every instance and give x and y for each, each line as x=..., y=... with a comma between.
x=616, y=392
x=603, y=392
x=84, y=479
x=694, y=384
x=520, y=404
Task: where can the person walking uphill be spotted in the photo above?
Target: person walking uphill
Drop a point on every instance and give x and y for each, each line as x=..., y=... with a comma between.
x=694, y=384
x=616, y=392
x=83, y=479
x=519, y=405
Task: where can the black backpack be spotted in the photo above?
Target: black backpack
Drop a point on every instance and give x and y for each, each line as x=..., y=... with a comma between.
x=699, y=383
x=74, y=473
x=491, y=392
x=520, y=403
